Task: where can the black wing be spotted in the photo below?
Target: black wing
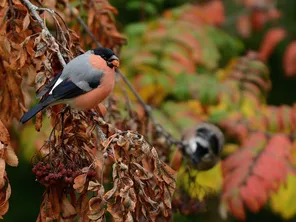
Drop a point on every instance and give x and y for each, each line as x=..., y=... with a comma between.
x=48, y=87
x=67, y=90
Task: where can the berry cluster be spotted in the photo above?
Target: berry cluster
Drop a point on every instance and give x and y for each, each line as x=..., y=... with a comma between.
x=48, y=174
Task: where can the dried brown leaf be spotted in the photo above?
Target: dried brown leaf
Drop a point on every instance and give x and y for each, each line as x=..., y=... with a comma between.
x=23, y=57
x=97, y=208
x=2, y=173
x=82, y=207
x=111, y=192
x=4, y=196
x=54, y=207
x=10, y=157
x=4, y=134
x=4, y=208
x=3, y=3
x=43, y=210
x=40, y=80
x=93, y=186
x=38, y=123
x=67, y=208
x=5, y=48
x=13, y=85
x=116, y=212
x=41, y=48
x=79, y=182
x=167, y=197
x=26, y=21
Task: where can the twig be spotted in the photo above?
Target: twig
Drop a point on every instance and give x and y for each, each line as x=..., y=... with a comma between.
x=80, y=20
x=33, y=9
x=148, y=111
x=100, y=133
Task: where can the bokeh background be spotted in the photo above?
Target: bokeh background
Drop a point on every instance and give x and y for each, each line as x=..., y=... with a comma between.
x=232, y=63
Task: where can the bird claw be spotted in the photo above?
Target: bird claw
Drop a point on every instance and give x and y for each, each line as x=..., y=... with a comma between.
x=94, y=113
x=65, y=109
x=62, y=113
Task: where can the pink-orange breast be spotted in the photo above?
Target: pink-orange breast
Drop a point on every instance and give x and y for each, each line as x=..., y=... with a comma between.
x=96, y=96
x=97, y=62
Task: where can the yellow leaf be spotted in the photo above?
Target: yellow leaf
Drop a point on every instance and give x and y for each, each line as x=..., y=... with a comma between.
x=199, y=184
x=195, y=106
x=248, y=107
x=282, y=202
x=230, y=148
x=153, y=93
x=223, y=105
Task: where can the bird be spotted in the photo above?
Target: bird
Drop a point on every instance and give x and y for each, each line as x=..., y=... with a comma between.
x=203, y=145
x=85, y=82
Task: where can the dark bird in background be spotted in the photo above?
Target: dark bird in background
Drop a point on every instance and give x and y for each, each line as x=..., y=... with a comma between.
x=203, y=145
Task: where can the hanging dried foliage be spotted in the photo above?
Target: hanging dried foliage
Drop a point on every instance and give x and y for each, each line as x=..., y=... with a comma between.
x=77, y=156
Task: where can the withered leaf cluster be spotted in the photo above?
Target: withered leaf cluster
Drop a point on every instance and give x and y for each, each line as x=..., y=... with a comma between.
x=75, y=162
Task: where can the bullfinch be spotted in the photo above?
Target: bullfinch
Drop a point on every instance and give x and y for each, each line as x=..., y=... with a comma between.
x=84, y=82
x=203, y=145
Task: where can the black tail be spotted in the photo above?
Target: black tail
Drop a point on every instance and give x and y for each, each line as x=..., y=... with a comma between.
x=36, y=109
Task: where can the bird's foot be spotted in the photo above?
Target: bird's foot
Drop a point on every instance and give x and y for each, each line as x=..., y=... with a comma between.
x=65, y=109
x=63, y=112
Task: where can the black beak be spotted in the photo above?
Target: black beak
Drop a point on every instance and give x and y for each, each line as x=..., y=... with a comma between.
x=113, y=61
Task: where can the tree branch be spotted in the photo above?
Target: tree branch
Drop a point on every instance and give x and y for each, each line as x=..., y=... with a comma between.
x=160, y=129
x=33, y=9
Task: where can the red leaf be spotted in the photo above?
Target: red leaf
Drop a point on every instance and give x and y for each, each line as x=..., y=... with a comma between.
x=243, y=26
x=256, y=189
x=250, y=200
x=236, y=177
x=289, y=60
x=258, y=19
x=279, y=145
x=271, y=39
x=215, y=12
x=255, y=177
x=236, y=160
x=273, y=14
x=236, y=207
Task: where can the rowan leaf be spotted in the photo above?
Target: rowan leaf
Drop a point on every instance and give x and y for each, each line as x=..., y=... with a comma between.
x=97, y=208
x=80, y=182
x=10, y=157
x=26, y=21
x=252, y=175
x=4, y=134
x=2, y=172
x=93, y=186
x=273, y=37
x=67, y=208
x=244, y=26
x=289, y=59
x=281, y=201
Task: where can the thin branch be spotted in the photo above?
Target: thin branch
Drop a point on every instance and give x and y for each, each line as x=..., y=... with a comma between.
x=33, y=9
x=159, y=128
x=80, y=20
